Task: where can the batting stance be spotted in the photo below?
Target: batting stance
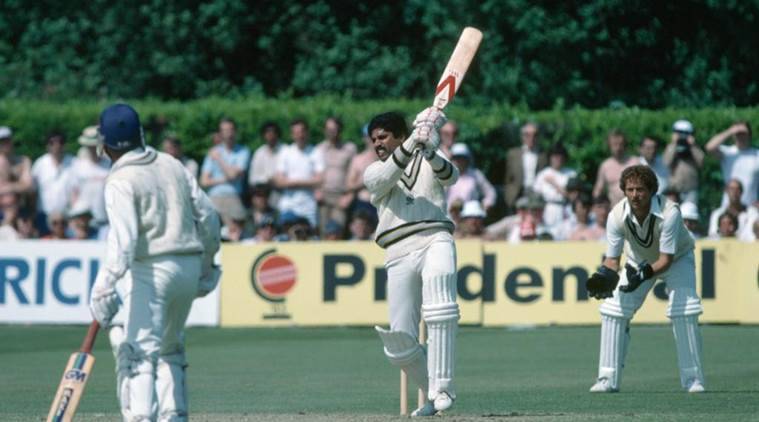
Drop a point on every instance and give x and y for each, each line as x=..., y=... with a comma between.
x=407, y=187
x=163, y=235
x=657, y=246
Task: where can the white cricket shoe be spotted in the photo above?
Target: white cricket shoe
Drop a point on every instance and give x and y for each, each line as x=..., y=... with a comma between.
x=427, y=410
x=603, y=386
x=695, y=386
x=116, y=336
x=443, y=401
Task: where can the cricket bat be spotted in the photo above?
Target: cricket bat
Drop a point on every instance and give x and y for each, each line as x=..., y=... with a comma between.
x=457, y=66
x=74, y=379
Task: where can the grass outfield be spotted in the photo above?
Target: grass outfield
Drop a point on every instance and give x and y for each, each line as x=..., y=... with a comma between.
x=340, y=374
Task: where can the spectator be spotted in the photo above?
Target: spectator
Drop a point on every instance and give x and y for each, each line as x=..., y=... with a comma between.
x=57, y=223
x=522, y=165
x=738, y=161
x=79, y=219
x=472, y=184
x=529, y=222
x=575, y=188
x=266, y=230
x=236, y=229
x=16, y=181
x=333, y=196
x=684, y=159
x=471, y=223
x=672, y=194
x=359, y=163
x=448, y=134
x=689, y=212
x=263, y=165
x=52, y=174
x=173, y=146
x=363, y=224
x=551, y=185
x=260, y=204
x=332, y=231
x=727, y=226
x=734, y=207
x=586, y=228
x=88, y=173
x=649, y=146
x=300, y=169
x=607, y=180
x=600, y=214
x=294, y=228
x=8, y=226
x=223, y=171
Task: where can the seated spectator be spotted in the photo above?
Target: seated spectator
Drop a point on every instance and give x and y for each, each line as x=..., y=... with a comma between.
x=501, y=229
x=16, y=181
x=471, y=225
x=648, y=149
x=727, y=226
x=333, y=231
x=585, y=228
x=25, y=228
x=738, y=161
x=333, y=196
x=223, y=171
x=260, y=205
x=294, y=228
x=734, y=206
x=300, y=171
x=684, y=158
x=607, y=180
x=263, y=165
x=88, y=174
x=689, y=212
x=52, y=174
x=472, y=184
x=747, y=233
x=363, y=224
x=600, y=214
x=173, y=146
x=448, y=134
x=359, y=164
x=57, y=223
x=551, y=185
x=8, y=224
x=530, y=224
x=575, y=187
x=235, y=229
x=79, y=219
x=266, y=229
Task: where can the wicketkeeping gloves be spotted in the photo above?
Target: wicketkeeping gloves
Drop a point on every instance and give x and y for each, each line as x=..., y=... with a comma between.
x=636, y=276
x=602, y=283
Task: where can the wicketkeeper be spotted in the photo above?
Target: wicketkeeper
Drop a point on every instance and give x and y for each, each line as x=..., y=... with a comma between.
x=407, y=187
x=163, y=235
x=657, y=246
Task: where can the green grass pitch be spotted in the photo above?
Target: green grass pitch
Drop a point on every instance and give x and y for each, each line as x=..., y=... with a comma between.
x=340, y=374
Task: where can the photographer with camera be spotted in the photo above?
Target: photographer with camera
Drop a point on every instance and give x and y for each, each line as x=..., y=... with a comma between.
x=684, y=159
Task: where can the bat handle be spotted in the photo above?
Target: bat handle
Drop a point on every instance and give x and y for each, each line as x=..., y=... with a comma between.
x=89, y=339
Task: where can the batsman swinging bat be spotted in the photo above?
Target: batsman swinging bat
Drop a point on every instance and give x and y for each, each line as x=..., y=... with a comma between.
x=457, y=66
x=74, y=379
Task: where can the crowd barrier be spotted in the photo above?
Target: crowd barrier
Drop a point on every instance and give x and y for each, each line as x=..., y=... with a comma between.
x=343, y=283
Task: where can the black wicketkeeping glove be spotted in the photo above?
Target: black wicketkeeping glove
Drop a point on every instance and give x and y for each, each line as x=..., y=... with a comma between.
x=602, y=283
x=636, y=276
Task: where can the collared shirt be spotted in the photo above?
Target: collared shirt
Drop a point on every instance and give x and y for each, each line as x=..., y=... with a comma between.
x=529, y=166
x=54, y=182
x=663, y=231
x=239, y=157
x=744, y=166
x=472, y=186
x=263, y=166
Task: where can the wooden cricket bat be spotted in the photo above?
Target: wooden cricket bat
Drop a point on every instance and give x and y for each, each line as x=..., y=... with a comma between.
x=74, y=379
x=458, y=64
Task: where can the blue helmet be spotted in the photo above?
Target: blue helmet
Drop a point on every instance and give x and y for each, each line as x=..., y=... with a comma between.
x=120, y=128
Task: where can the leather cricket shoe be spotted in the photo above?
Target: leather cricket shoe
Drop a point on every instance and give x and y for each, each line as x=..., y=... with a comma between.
x=603, y=386
x=443, y=401
x=695, y=386
x=427, y=410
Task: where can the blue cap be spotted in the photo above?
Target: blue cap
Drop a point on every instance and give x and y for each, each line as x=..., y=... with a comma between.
x=120, y=128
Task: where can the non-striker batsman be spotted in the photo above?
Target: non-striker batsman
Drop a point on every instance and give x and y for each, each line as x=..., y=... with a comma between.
x=407, y=187
x=159, y=254
x=657, y=246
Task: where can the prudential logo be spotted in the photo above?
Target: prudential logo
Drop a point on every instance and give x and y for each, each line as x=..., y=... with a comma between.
x=272, y=277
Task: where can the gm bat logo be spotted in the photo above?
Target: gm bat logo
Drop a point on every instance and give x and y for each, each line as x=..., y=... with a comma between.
x=65, y=399
x=75, y=375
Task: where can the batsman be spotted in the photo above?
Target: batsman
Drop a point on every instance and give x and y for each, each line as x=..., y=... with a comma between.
x=657, y=246
x=163, y=235
x=407, y=187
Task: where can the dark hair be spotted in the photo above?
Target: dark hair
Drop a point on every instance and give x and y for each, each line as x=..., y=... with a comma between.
x=656, y=140
x=299, y=121
x=559, y=149
x=173, y=140
x=270, y=125
x=228, y=120
x=747, y=124
x=732, y=218
x=56, y=134
x=583, y=198
x=337, y=121
x=617, y=132
x=740, y=184
x=601, y=199
x=392, y=122
x=641, y=172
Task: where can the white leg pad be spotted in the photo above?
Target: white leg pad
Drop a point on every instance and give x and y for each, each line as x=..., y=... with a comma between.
x=171, y=388
x=135, y=376
x=614, y=340
x=441, y=314
x=689, y=345
x=404, y=351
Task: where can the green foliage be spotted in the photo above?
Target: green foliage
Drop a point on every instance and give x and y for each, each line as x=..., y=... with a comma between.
x=534, y=54
x=489, y=130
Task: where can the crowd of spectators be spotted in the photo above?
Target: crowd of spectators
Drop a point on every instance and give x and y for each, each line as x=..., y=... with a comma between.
x=299, y=190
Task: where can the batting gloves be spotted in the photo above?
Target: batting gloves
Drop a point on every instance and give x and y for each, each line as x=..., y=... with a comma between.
x=636, y=277
x=430, y=116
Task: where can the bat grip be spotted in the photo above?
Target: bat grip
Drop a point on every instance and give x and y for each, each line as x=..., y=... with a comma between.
x=89, y=339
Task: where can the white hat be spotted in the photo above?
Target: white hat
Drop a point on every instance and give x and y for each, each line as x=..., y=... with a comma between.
x=89, y=136
x=683, y=126
x=5, y=132
x=461, y=150
x=689, y=211
x=472, y=209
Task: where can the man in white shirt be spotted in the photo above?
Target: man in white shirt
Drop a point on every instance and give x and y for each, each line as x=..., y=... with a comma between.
x=738, y=161
x=52, y=174
x=551, y=185
x=263, y=165
x=89, y=172
x=650, y=231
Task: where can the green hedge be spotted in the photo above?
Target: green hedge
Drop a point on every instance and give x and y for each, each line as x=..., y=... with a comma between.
x=488, y=129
